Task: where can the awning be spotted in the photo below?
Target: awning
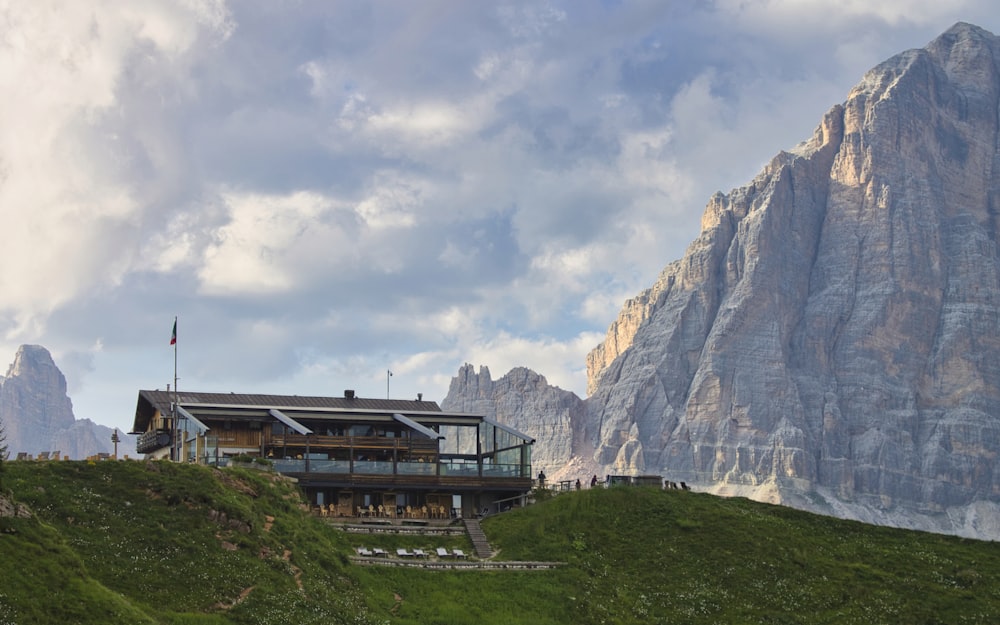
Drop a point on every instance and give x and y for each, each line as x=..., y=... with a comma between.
x=190, y=417
x=290, y=422
x=410, y=423
x=508, y=429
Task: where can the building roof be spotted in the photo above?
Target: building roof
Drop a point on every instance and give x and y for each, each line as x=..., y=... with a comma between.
x=151, y=401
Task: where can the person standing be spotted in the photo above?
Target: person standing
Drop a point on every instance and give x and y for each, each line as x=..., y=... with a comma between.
x=593, y=481
x=541, y=479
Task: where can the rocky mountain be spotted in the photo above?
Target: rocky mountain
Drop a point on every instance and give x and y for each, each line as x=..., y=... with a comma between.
x=37, y=415
x=831, y=339
x=524, y=400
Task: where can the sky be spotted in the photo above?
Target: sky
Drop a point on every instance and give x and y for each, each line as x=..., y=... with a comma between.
x=326, y=191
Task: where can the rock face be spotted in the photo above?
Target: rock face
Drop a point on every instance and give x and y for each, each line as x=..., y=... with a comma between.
x=524, y=400
x=831, y=340
x=37, y=414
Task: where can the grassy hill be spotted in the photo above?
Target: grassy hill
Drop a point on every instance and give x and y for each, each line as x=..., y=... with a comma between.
x=134, y=542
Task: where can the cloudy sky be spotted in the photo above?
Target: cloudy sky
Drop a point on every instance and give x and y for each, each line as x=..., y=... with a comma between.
x=323, y=191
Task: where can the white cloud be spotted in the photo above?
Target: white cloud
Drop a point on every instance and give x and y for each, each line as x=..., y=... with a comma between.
x=433, y=123
x=563, y=363
x=532, y=20
x=393, y=202
x=600, y=306
x=799, y=14
x=324, y=191
x=268, y=238
x=70, y=209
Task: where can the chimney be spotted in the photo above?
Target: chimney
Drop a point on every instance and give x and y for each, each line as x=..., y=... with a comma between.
x=420, y=397
x=349, y=394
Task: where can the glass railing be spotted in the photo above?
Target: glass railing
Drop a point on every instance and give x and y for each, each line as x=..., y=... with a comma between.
x=502, y=470
x=380, y=467
x=416, y=468
x=373, y=467
x=459, y=468
x=329, y=466
x=290, y=466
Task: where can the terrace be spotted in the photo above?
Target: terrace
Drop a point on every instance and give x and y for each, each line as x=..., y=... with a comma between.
x=348, y=454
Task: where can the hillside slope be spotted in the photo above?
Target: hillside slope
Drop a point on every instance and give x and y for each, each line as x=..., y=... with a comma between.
x=133, y=542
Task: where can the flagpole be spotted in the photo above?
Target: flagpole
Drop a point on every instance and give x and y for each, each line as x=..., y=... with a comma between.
x=176, y=447
x=388, y=374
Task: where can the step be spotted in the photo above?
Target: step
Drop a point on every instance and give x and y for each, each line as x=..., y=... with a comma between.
x=478, y=538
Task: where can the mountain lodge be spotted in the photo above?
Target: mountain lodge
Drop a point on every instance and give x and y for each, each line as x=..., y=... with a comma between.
x=352, y=456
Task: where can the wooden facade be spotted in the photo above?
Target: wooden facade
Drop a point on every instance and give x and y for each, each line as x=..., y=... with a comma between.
x=350, y=455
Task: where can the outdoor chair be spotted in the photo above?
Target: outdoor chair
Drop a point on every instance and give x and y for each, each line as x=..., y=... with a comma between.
x=364, y=551
x=458, y=553
x=403, y=553
x=380, y=552
x=443, y=553
x=419, y=553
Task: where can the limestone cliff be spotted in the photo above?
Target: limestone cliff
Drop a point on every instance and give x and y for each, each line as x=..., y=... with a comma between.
x=831, y=338
x=37, y=414
x=524, y=400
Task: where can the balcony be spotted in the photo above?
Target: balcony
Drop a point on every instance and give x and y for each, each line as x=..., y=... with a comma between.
x=152, y=440
x=432, y=475
x=414, y=447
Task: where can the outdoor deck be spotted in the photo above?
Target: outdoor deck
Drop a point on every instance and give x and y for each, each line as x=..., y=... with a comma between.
x=437, y=558
x=456, y=564
x=466, y=481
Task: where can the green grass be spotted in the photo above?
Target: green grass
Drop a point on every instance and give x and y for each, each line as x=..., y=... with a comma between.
x=147, y=541
x=670, y=556
x=160, y=543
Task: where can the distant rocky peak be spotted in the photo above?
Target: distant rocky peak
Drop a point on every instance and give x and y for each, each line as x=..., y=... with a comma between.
x=34, y=363
x=524, y=400
x=37, y=413
x=470, y=385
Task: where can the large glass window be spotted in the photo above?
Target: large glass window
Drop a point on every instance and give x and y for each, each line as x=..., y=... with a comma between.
x=360, y=429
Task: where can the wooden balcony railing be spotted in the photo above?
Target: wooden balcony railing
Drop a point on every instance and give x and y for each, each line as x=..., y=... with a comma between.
x=366, y=443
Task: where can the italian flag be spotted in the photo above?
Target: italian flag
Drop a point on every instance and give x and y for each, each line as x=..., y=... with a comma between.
x=173, y=335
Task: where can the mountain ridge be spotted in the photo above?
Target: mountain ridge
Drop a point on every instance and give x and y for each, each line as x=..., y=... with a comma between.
x=37, y=414
x=827, y=339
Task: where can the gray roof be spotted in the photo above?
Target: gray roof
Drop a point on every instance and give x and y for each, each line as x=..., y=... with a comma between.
x=151, y=401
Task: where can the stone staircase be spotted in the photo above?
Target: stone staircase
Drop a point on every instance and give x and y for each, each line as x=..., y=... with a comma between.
x=478, y=538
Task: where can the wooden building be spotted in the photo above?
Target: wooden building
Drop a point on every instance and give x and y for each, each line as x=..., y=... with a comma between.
x=352, y=456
